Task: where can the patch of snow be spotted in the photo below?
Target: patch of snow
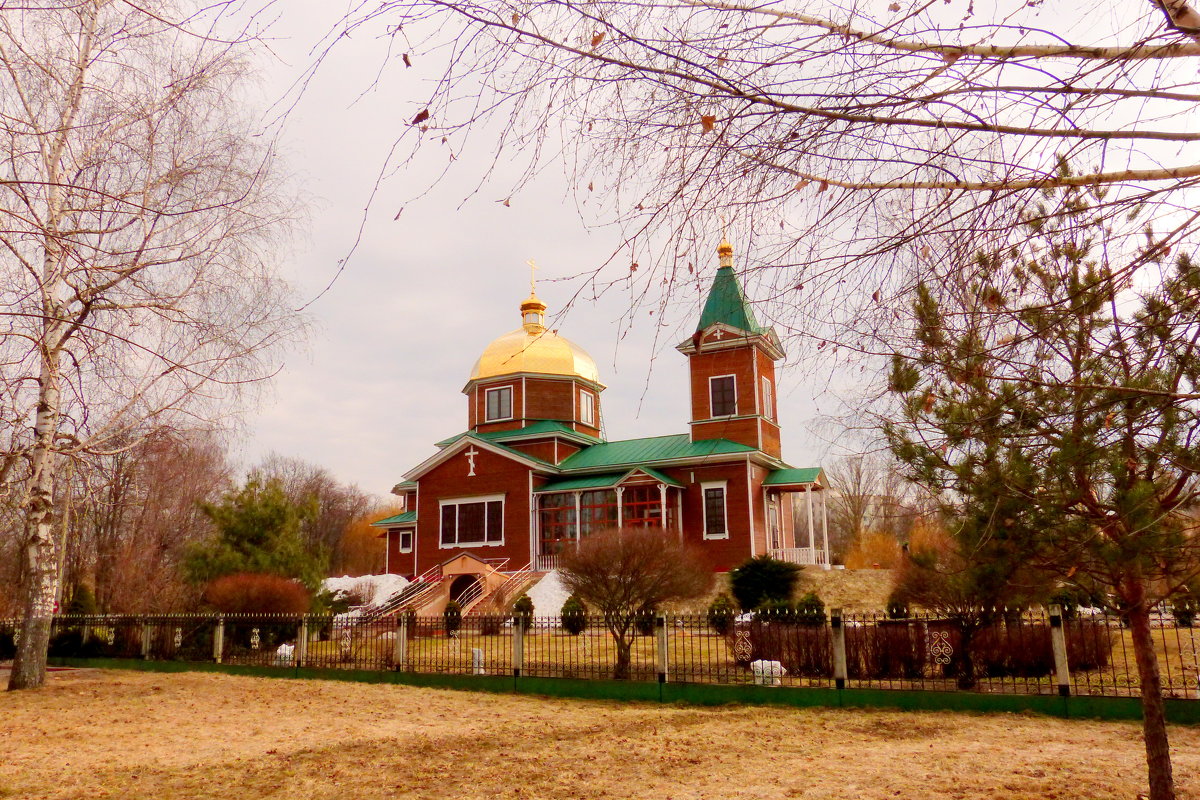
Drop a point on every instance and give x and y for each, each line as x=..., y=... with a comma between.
x=285, y=654
x=376, y=588
x=548, y=596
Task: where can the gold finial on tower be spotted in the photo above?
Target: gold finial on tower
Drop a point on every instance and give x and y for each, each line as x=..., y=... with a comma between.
x=725, y=252
x=533, y=310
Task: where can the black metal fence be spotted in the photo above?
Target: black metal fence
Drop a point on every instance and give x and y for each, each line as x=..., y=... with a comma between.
x=1027, y=652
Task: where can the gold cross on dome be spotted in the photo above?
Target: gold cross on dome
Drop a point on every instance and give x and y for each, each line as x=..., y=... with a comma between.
x=532, y=278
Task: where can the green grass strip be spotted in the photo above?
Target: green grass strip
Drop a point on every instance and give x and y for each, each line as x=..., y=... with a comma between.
x=1184, y=712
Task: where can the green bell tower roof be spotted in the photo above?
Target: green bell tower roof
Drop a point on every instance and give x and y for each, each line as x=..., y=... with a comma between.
x=726, y=304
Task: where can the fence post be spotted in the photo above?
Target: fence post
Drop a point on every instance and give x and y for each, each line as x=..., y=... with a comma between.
x=518, y=645
x=145, y=639
x=219, y=639
x=660, y=631
x=302, y=642
x=1058, y=641
x=400, y=654
x=838, y=627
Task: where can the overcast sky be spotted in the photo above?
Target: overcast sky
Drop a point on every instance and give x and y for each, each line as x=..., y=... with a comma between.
x=396, y=335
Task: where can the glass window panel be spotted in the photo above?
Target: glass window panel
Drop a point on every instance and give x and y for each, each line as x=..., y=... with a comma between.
x=499, y=403
x=714, y=511
x=470, y=523
x=495, y=521
x=723, y=393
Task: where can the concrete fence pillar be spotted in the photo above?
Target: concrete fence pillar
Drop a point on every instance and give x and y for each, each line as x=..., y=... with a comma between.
x=400, y=646
x=838, y=634
x=302, y=642
x=1058, y=641
x=145, y=639
x=662, y=654
x=219, y=638
x=518, y=645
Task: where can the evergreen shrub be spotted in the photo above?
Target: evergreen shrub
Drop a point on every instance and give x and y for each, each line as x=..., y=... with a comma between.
x=776, y=611
x=721, y=614
x=523, y=608
x=897, y=608
x=810, y=609
x=645, y=622
x=452, y=617
x=574, y=616
x=763, y=578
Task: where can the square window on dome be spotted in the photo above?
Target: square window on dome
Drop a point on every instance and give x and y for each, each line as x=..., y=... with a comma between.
x=499, y=403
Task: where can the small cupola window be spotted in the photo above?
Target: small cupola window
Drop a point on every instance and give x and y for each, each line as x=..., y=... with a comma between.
x=533, y=314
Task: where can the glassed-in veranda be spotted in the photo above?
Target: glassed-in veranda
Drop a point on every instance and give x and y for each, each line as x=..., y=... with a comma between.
x=566, y=517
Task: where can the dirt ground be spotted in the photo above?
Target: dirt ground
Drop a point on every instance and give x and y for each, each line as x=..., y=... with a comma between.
x=95, y=734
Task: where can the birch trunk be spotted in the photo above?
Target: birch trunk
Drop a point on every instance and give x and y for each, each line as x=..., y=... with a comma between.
x=40, y=550
x=41, y=562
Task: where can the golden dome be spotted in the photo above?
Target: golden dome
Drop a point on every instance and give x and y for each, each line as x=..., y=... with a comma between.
x=533, y=349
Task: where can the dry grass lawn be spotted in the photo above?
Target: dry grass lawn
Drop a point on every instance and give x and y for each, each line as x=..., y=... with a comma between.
x=95, y=734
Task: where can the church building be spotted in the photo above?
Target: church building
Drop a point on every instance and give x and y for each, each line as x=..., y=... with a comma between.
x=533, y=474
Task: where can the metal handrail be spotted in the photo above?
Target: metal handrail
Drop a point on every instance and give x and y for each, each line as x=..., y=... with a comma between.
x=514, y=579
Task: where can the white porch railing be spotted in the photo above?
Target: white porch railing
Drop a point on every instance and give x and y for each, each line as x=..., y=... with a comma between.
x=800, y=555
x=547, y=563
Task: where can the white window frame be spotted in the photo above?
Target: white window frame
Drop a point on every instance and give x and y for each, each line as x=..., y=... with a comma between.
x=711, y=411
x=487, y=404
x=724, y=487
x=400, y=548
x=768, y=394
x=457, y=501
x=587, y=402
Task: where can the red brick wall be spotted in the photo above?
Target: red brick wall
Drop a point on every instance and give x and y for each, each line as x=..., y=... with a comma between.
x=543, y=449
x=399, y=563
x=757, y=476
x=770, y=439
x=721, y=554
x=477, y=405
x=722, y=362
x=550, y=399
x=533, y=399
x=494, y=474
x=744, y=430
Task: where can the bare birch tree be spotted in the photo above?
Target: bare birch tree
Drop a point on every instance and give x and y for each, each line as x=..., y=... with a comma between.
x=140, y=221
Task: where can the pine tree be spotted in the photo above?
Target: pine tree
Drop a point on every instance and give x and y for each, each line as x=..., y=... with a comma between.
x=1049, y=397
x=258, y=531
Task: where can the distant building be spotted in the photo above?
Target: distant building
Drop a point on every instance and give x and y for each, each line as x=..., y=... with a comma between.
x=533, y=473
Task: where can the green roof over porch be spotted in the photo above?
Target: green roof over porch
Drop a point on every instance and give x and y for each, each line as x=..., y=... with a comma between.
x=788, y=477
x=398, y=519
x=604, y=480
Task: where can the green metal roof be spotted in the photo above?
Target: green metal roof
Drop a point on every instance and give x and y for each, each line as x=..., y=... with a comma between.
x=658, y=476
x=601, y=481
x=398, y=519
x=542, y=427
x=635, y=452
x=604, y=480
x=788, y=476
x=727, y=304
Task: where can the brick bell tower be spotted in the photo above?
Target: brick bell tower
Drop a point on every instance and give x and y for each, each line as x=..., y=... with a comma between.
x=731, y=359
